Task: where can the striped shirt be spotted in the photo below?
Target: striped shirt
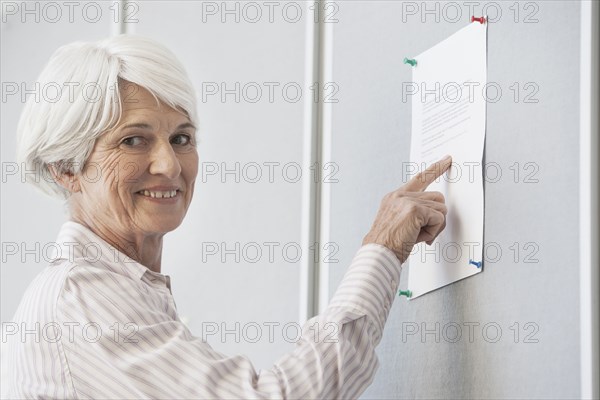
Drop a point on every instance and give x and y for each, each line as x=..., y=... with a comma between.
x=96, y=324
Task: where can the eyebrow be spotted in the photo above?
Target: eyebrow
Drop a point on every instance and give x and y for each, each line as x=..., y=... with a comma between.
x=149, y=127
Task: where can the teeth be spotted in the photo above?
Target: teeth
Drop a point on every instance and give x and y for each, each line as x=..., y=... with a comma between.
x=160, y=195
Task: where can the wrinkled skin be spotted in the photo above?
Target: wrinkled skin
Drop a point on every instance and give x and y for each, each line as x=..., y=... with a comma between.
x=159, y=150
x=410, y=215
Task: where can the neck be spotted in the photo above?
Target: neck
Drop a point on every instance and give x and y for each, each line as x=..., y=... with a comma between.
x=146, y=249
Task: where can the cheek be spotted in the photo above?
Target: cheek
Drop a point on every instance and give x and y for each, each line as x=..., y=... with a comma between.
x=120, y=171
x=131, y=168
x=189, y=166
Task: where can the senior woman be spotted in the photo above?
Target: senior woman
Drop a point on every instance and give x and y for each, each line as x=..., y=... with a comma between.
x=123, y=156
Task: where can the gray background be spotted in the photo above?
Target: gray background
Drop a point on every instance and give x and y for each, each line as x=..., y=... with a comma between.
x=235, y=295
x=371, y=141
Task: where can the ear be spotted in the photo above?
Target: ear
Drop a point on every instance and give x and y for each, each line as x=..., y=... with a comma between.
x=64, y=177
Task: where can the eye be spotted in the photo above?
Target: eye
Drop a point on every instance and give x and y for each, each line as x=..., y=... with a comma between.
x=182, y=139
x=132, y=141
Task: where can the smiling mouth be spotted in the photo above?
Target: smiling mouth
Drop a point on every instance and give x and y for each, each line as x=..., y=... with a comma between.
x=159, y=194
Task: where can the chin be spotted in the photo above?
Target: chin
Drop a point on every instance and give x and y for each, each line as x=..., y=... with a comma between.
x=162, y=224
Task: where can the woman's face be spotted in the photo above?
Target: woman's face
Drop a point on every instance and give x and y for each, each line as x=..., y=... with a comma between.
x=140, y=176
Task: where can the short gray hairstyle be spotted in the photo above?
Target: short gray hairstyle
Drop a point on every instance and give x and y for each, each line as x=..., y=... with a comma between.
x=62, y=130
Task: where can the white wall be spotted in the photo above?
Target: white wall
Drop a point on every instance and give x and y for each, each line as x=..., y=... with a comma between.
x=261, y=135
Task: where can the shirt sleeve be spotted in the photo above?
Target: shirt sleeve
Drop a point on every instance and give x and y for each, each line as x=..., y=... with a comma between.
x=123, y=347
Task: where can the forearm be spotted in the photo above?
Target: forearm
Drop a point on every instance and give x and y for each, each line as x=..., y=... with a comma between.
x=335, y=358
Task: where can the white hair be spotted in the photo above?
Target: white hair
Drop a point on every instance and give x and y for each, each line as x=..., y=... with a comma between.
x=62, y=129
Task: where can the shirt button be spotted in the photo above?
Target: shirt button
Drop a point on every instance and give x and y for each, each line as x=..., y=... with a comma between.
x=394, y=283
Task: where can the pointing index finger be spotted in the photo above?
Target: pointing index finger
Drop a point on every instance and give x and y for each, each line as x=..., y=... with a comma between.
x=423, y=179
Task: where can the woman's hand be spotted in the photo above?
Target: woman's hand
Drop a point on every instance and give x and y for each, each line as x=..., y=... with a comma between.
x=410, y=215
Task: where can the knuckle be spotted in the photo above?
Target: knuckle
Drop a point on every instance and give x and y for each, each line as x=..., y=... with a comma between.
x=410, y=206
x=386, y=200
x=439, y=196
x=404, y=201
x=388, y=196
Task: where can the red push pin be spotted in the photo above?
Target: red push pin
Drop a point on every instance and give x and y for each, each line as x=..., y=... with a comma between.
x=480, y=20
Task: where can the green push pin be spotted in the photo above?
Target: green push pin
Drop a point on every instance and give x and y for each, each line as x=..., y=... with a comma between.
x=406, y=293
x=412, y=62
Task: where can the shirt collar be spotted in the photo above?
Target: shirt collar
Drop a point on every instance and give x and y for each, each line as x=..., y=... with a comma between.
x=78, y=242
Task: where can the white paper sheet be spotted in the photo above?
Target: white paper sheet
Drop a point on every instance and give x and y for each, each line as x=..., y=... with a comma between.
x=448, y=117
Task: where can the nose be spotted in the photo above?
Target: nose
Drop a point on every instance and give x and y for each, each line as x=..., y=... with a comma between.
x=164, y=161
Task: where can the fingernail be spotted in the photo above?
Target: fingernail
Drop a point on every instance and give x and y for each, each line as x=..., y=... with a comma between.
x=446, y=157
